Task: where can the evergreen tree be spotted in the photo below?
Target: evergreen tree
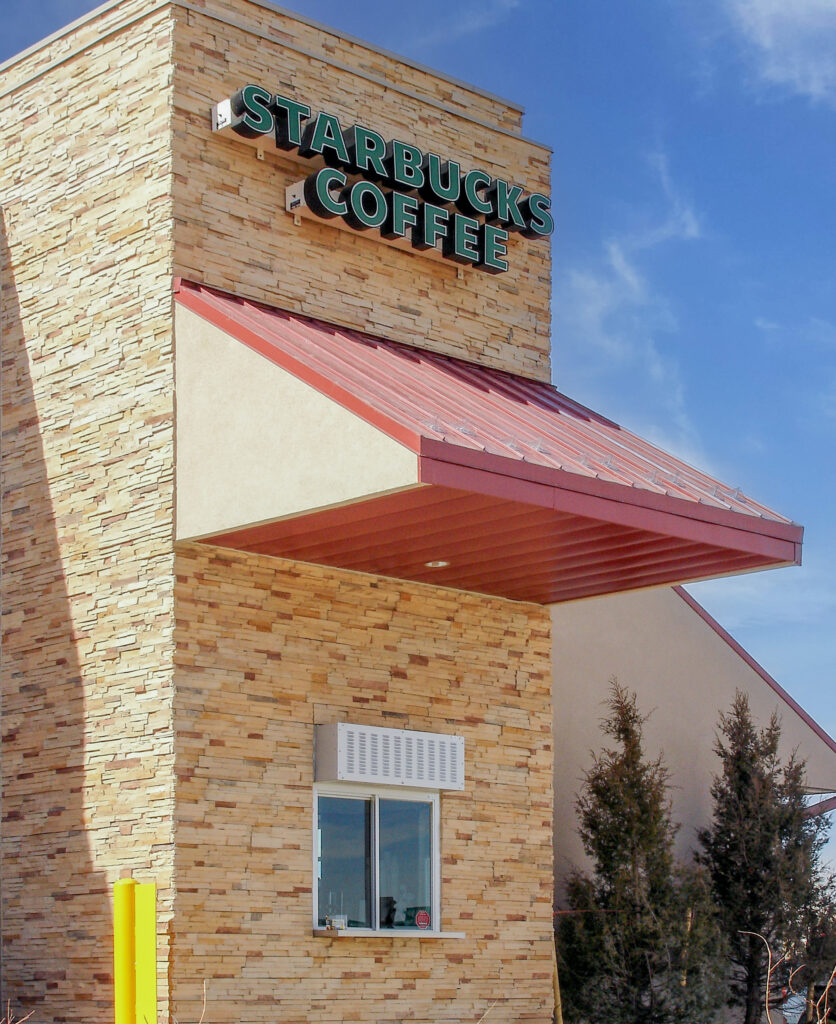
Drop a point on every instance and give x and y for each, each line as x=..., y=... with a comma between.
x=639, y=944
x=761, y=851
x=818, y=958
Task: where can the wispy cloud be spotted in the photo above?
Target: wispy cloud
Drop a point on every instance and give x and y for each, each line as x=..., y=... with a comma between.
x=470, y=20
x=609, y=318
x=681, y=222
x=791, y=43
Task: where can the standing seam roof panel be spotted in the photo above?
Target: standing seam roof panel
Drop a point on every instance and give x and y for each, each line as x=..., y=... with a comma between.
x=476, y=408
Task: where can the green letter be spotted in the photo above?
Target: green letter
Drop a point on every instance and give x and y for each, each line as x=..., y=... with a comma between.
x=318, y=193
x=402, y=215
x=504, y=198
x=463, y=245
x=252, y=105
x=493, y=248
x=324, y=136
x=432, y=227
x=366, y=151
x=434, y=170
x=535, y=209
x=404, y=164
x=471, y=201
x=289, y=118
x=363, y=213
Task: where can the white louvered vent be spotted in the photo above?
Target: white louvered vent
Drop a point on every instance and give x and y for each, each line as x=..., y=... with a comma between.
x=391, y=757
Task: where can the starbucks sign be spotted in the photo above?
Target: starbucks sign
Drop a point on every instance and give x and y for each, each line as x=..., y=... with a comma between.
x=390, y=186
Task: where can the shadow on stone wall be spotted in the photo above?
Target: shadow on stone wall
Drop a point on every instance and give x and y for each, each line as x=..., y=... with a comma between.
x=57, y=946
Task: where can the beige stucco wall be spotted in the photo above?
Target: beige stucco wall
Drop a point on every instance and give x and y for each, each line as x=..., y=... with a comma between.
x=684, y=674
x=232, y=230
x=255, y=444
x=87, y=565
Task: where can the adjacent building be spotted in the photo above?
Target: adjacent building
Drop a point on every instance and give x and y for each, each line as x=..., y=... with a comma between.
x=685, y=669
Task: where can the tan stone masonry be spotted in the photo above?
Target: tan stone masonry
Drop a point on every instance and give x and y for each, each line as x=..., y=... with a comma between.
x=265, y=650
x=199, y=777
x=232, y=231
x=87, y=585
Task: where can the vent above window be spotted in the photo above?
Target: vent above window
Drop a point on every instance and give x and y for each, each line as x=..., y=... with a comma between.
x=393, y=757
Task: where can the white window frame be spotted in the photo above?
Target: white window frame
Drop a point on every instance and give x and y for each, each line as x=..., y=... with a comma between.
x=358, y=791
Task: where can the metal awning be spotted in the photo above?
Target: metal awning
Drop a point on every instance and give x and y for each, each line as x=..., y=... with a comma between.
x=519, y=491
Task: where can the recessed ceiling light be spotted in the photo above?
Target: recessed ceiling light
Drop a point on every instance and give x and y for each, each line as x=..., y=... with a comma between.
x=440, y=564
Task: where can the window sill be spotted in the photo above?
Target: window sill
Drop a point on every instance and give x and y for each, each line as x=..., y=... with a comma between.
x=394, y=933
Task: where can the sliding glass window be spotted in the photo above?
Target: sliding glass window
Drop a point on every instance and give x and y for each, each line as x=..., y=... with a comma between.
x=376, y=860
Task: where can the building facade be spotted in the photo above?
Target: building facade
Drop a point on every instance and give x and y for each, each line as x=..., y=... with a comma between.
x=684, y=669
x=283, y=473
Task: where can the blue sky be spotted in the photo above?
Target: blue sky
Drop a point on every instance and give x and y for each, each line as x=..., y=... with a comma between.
x=694, y=179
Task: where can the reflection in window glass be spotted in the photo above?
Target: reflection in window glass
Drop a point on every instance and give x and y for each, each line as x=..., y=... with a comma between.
x=405, y=849
x=344, y=834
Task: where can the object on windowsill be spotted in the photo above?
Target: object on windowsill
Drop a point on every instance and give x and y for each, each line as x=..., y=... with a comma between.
x=336, y=922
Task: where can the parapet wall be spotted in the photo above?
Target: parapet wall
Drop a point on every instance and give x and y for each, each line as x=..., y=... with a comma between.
x=232, y=230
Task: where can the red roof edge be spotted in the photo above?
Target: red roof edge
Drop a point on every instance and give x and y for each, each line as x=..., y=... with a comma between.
x=623, y=505
x=433, y=451
x=761, y=671
x=822, y=807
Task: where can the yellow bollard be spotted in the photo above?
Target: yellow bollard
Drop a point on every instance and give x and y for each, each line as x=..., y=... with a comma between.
x=134, y=952
x=124, y=952
x=145, y=952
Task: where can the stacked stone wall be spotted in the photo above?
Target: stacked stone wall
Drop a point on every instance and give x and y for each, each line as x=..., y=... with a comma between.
x=87, y=490
x=110, y=183
x=232, y=230
x=267, y=649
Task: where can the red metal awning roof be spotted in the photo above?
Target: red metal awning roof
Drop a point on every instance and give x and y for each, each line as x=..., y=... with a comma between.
x=525, y=493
